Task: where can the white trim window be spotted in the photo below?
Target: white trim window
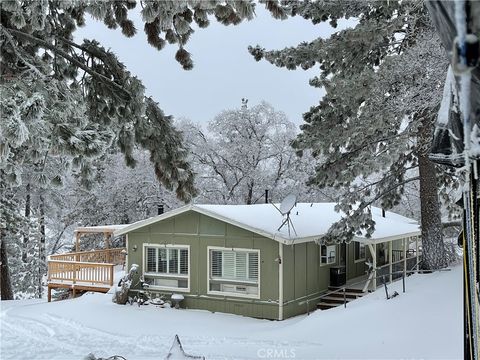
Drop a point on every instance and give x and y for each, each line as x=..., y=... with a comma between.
x=328, y=254
x=234, y=271
x=167, y=267
x=359, y=251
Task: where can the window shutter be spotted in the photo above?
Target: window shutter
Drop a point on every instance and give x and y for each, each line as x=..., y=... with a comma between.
x=184, y=261
x=241, y=265
x=228, y=266
x=151, y=261
x=162, y=261
x=216, y=266
x=253, y=266
x=173, y=261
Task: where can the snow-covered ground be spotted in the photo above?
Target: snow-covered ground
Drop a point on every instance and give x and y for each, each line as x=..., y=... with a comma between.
x=425, y=322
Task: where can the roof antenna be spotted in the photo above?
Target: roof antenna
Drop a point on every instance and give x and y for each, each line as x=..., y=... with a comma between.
x=285, y=208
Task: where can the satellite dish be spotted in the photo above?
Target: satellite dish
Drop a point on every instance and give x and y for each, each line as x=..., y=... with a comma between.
x=285, y=207
x=287, y=204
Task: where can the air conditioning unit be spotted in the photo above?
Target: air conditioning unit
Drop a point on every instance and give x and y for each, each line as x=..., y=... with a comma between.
x=228, y=288
x=240, y=289
x=166, y=282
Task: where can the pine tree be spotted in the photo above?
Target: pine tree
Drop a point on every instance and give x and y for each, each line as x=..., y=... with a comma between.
x=10, y=223
x=372, y=130
x=64, y=104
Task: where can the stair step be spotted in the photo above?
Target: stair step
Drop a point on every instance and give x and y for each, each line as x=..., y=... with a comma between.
x=326, y=306
x=348, y=295
x=334, y=300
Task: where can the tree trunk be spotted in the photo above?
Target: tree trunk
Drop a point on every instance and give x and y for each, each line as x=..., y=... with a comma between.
x=41, y=248
x=5, y=283
x=27, y=217
x=434, y=255
x=249, y=198
x=6, y=292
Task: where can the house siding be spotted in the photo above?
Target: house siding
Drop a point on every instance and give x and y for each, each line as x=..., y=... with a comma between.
x=304, y=279
x=199, y=232
x=355, y=268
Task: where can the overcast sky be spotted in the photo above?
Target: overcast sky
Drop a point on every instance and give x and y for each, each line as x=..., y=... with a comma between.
x=224, y=71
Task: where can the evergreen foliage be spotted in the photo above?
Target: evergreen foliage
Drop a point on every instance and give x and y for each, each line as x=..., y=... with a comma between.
x=383, y=79
x=78, y=97
x=65, y=105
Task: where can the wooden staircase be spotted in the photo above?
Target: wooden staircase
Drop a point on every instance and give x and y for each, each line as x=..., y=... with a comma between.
x=335, y=297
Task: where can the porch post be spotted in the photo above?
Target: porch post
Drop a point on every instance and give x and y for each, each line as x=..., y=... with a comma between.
x=390, y=260
x=405, y=242
x=77, y=241
x=416, y=251
x=106, y=237
x=373, y=252
x=280, y=281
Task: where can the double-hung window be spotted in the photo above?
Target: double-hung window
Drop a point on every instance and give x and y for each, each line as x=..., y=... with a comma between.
x=234, y=271
x=167, y=266
x=328, y=254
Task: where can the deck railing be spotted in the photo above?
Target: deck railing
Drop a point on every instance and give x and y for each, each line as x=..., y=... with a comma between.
x=397, y=255
x=397, y=265
x=75, y=272
x=94, y=267
x=114, y=256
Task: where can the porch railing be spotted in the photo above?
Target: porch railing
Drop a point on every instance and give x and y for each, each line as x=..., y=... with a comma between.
x=397, y=255
x=114, y=256
x=74, y=272
x=397, y=266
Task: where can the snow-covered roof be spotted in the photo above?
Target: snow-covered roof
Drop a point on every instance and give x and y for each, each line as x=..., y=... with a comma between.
x=310, y=220
x=100, y=228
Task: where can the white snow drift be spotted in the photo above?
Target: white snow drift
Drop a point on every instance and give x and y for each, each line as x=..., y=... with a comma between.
x=425, y=322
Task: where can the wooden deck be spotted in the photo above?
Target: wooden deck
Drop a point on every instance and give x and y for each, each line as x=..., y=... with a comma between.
x=87, y=270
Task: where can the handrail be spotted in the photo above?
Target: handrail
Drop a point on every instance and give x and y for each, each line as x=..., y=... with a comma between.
x=89, y=251
x=85, y=272
x=114, y=255
x=79, y=262
x=381, y=276
x=398, y=254
x=343, y=288
x=396, y=262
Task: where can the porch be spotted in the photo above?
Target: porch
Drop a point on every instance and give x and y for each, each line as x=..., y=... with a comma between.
x=387, y=259
x=93, y=270
x=393, y=259
x=399, y=266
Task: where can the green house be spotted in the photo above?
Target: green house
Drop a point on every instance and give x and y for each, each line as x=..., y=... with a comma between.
x=236, y=258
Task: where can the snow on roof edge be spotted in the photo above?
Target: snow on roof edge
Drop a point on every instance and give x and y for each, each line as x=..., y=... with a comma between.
x=194, y=207
x=152, y=220
x=100, y=228
x=274, y=235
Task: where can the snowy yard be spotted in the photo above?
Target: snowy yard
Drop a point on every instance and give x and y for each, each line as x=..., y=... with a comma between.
x=425, y=322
